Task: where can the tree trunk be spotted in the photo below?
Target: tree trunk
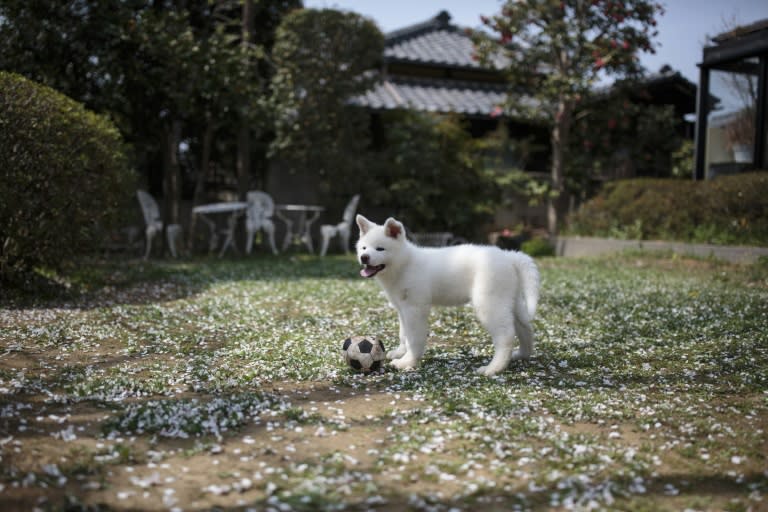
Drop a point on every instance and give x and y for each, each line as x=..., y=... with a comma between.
x=205, y=163
x=556, y=205
x=243, y=136
x=202, y=177
x=243, y=159
x=171, y=177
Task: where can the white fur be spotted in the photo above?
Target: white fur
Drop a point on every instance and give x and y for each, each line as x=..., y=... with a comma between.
x=502, y=286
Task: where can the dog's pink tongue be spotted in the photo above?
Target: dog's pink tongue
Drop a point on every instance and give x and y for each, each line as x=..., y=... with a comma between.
x=367, y=271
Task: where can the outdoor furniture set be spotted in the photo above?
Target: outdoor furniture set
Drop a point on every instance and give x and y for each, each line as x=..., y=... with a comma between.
x=259, y=209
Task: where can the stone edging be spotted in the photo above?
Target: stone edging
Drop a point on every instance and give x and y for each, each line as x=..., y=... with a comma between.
x=577, y=246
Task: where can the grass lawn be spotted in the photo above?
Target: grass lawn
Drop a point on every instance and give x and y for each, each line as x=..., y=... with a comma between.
x=220, y=385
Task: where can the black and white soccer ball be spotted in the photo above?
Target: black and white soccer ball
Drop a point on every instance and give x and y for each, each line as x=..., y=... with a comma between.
x=364, y=353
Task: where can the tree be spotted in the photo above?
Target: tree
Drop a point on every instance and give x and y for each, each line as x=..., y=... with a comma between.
x=430, y=174
x=161, y=70
x=557, y=51
x=621, y=138
x=323, y=59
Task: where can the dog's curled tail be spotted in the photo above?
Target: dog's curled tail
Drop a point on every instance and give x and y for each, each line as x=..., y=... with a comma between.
x=528, y=273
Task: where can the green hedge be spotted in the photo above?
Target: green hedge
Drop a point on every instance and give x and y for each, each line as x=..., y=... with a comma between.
x=726, y=210
x=64, y=176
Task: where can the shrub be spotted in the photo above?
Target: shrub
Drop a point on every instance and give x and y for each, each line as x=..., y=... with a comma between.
x=430, y=175
x=64, y=174
x=538, y=247
x=727, y=210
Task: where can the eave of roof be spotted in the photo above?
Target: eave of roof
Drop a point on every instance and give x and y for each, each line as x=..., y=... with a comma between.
x=433, y=95
x=740, y=43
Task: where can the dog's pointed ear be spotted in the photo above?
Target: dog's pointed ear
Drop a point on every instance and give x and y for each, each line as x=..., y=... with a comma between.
x=393, y=228
x=363, y=223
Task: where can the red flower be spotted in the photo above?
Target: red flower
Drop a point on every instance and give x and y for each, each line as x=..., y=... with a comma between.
x=497, y=111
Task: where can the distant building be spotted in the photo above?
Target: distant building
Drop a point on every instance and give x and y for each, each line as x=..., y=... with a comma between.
x=430, y=67
x=736, y=138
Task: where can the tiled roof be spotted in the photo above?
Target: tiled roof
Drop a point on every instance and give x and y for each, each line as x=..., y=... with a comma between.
x=439, y=44
x=435, y=41
x=431, y=95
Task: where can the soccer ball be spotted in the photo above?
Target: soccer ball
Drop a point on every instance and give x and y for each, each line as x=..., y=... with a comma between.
x=364, y=353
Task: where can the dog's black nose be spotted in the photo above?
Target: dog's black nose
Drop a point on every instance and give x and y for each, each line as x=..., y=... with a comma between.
x=364, y=259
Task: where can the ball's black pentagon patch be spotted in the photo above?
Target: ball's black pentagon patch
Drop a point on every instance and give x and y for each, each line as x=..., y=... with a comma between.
x=354, y=363
x=376, y=366
x=347, y=343
x=381, y=344
x=365, y=347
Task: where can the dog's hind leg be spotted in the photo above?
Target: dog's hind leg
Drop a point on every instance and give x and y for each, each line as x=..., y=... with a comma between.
x=501, y=325
x=524, y=330
x=524, y=334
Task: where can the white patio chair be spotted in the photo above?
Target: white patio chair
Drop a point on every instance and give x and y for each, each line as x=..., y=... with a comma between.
x=343, y=228
x=261, y=207
x=154, y=224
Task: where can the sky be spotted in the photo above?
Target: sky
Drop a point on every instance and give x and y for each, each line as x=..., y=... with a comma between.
x=683, y=29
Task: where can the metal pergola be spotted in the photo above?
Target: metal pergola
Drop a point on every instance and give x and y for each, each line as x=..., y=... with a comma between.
x=729, y=54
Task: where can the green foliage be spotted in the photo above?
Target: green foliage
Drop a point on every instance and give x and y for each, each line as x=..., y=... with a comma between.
x=575, y=41
x=727, y=210
x=323, y=59
x=152, y=67
x=505, y=159
x=619, y=138
x=682, y=160
x=554, y=52
x=64, y=174
x=538, y=247
x=431, y=175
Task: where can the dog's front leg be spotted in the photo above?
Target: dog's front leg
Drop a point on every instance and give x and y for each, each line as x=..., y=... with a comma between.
x=402, y=348
x=415, y=325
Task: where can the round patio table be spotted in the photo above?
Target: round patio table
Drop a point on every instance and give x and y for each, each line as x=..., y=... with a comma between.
x=298, y=219
x=205, y=211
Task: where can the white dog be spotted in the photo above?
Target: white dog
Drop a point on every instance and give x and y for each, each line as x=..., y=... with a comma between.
x=503, y=287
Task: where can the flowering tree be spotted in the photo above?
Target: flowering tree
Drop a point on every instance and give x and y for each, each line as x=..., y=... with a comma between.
x=557, y=50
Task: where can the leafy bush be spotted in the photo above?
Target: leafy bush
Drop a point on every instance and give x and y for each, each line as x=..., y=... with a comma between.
x=727, y=210
x=430, y=175
x=537, y=247
x=64, y=174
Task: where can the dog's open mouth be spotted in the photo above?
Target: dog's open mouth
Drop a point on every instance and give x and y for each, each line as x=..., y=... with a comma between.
x=371, y=270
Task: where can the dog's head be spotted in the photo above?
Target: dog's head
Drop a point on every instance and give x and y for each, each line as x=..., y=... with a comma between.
x=379, y=245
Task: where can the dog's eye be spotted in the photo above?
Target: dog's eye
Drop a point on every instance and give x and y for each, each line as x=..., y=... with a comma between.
x=379, y=248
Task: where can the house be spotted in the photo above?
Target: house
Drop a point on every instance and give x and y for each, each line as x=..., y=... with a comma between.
x=430, y=67
x=736, y=67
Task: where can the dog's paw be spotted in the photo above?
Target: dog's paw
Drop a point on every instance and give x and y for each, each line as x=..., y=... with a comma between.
x=520, y=356
x=395, y=354
x=404, y=363
x=488, y=370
